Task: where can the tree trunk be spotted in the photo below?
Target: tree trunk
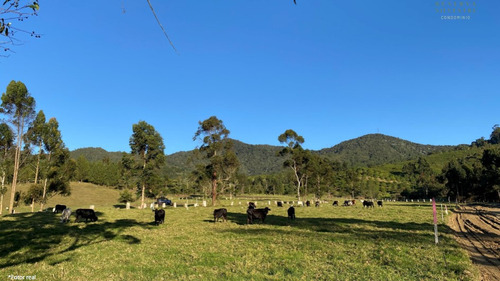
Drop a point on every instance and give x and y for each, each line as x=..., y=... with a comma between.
x=38, y=163
x=1, y=196
x=32, y=205
x=214, y=188
x=17, y=157
x=43, y=196
x=44, y=187
x=143, y=183
x=142, y=195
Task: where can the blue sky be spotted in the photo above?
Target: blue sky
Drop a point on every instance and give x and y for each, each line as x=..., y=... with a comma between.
x=330, y=70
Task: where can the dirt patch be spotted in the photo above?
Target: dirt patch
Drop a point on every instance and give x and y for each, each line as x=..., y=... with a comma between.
x=478, y=231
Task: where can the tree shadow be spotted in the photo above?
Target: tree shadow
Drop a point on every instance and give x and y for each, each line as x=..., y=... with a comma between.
x=41, y=235
x=362, y=229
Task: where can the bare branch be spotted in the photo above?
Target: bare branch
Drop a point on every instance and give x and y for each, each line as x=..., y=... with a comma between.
x=159, y=23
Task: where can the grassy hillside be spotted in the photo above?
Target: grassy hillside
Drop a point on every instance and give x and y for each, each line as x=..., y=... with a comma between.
x=82, y=196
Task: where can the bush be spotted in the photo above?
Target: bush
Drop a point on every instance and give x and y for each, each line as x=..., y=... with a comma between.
x=126, y=196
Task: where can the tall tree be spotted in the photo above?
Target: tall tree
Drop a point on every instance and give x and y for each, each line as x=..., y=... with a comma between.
x=147, y=144
x=19, y=105
x=495, y=135
x=217, y=150
x=6, y=142
x=298, y=159
x=491, y=173
x=34, y=136
x=53, y=144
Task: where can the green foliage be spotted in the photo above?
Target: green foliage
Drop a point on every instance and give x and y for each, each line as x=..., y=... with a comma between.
x=126, y=196
x=221, y=163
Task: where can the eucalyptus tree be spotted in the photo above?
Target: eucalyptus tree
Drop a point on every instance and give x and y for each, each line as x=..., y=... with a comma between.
x=6, y=143
x=34, y=136
x=297, y=157
x=147, y=144
x=491, y=174
x=19, y=106
x=57, y=156
x=495, y=135
x=216, y=148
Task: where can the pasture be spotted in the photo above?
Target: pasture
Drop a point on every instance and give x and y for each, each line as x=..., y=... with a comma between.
x=395, y=242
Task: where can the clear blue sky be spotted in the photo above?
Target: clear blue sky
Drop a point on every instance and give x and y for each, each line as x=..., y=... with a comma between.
x=330, y=70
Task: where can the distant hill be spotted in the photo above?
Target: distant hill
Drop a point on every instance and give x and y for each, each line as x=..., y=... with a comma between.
x=368, y=150
x=378, y=149
x=96, y=154
x=255, y=159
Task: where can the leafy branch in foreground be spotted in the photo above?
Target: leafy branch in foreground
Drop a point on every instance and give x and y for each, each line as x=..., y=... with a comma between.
x=15, y=11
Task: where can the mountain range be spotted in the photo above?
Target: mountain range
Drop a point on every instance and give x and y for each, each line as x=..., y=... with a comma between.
x=365, y=151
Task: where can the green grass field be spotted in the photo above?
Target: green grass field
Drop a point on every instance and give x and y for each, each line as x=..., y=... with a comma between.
x=395, y=242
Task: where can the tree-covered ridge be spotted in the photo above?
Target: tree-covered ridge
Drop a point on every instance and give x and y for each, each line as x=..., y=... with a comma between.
x=260, y=159
x=377, y=149
x=94, y=154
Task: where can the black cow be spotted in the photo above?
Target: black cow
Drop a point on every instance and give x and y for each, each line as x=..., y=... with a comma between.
x=59, y=208
x=308, y=203
x=279, y=203
x=251, y=205
x=335, y=203
x=316, y=204
x=87, y=214
x=159, y=216
x=348, y=203
x=291, y=213
x=259, y=214
x=367, y=204
x=379, y=203
x=220, y=213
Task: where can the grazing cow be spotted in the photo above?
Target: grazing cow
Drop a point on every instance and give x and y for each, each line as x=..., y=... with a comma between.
x=353, y=201
x=308, y=203
x=335, y=203
x=159, y=216
x=291, y=213
x=65, y=215
x=59, y=208
x=367, y=204
x=251, y=205
x=316, y=204
x=259, y=214
x=379, y=203
x=348, y=203
x=220, y=213
x=87, y=214
x=279, y=203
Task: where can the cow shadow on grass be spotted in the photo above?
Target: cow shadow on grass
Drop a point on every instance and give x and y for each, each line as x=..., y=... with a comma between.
x=359, y=228
x=34, y=237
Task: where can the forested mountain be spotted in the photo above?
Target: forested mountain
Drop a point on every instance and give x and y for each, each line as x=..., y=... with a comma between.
x=254, y=159
x=96, y=154
x=368, y=150
x=376, y=149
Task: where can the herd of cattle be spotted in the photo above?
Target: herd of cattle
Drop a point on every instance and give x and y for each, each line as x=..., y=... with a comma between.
x=252, y=212
x=81, y=214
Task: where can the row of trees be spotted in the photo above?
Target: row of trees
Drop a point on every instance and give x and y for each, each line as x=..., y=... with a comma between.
x=23, y=134
x=44, y=162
